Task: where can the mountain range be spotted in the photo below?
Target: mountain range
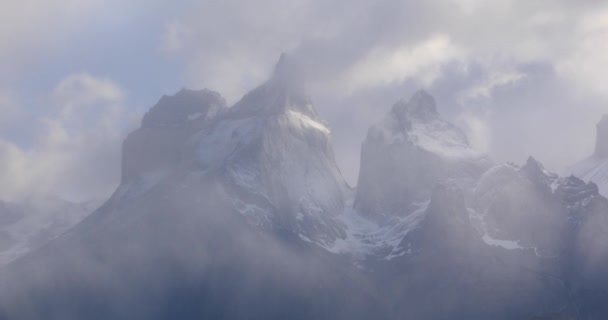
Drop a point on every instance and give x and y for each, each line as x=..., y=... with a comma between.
x=241, y=212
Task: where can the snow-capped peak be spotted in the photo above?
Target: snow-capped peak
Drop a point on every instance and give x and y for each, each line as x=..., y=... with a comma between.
x=410, y=151
x=283, y=92
x=417, y=123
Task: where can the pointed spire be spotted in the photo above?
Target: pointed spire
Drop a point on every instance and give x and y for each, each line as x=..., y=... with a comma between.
x=288, y=74
x=285, y=90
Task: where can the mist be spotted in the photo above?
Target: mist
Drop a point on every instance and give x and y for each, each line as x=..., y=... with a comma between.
x=489, y=65
x=303, y=160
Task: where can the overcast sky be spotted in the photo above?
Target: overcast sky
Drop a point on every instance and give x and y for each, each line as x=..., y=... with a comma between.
x=520, y=77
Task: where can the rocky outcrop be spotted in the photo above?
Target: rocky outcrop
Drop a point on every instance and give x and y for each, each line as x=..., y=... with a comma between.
x=274, y=155
x=159, y=144
x=405, y=155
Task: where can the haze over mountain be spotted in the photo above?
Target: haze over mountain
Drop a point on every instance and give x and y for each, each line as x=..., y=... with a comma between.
x=242, y=213
x=29, y=224
x=595, y=168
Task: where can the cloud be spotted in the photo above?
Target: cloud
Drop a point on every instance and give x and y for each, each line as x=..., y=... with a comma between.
x=389, y=65
x=492, y=65
x=76, y=148
x=9, y=107
x=586, y=66
x=34, y=29
x=84, y=91
x=491, y=82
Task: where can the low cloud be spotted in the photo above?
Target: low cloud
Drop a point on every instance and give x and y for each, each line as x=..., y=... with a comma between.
x=76, y=148
x=494, y=67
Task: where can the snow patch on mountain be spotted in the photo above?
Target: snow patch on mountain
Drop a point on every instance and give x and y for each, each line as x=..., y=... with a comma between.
x=505, y=244
x=437, y=137
x=366, y=237
x=304, y=122
x=593, y=169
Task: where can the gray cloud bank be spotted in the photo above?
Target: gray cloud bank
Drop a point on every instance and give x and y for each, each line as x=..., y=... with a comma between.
x=522, y=78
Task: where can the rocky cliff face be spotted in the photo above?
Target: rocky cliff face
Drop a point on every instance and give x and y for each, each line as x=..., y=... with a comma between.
x=595, y=168
x=405, y=155
x=274, y=157
x=158, y=146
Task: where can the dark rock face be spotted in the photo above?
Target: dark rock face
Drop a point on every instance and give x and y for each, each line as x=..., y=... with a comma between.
x=446, y=227
x=601, y=142
x=186, y=105
x=408, y=153
x=160, y=141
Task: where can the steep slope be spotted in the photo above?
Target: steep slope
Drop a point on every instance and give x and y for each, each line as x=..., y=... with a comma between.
x=158, y=146
x=407, y=153
x=559, y=223
x=512, y=239
x=274, y=157
x=595, y=168
x=449, y=272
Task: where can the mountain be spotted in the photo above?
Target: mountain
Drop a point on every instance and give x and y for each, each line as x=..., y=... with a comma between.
x=29, y=224
x=210, y=212
x=405, y=155
x=595, y=168
x=242, y=213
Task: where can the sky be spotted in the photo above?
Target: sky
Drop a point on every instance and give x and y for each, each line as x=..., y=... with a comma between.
x=522, y=78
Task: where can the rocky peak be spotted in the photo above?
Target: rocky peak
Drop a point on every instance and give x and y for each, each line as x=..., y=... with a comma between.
x=158, y=145
x=406, y=154
x=421, y=106
x=534, y=169
x=186, y=105
x=536, y=173
x=601, y=143
x=284, y=91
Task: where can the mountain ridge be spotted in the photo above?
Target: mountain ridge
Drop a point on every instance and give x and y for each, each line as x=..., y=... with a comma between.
x=219, y=204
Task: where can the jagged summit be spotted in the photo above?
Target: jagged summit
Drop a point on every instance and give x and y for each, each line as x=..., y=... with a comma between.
x=421, y=106
x=186, y=105
x=283, y=92
x=534, y=169
x=286, y=72
x=417, y=122
x=410, y=151
x=158, y=146
x=601, y=142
